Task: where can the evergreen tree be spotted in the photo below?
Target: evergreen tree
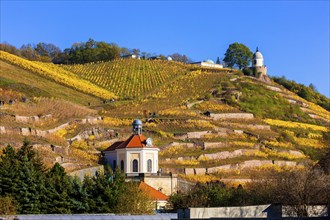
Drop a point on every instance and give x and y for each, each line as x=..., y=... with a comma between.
x=8, y=173
x=21, y=175
x=218, y=60
x=59, y=187
x=78, y=197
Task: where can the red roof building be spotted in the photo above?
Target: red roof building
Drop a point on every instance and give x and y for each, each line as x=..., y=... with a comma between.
x=152, y=192
x=135, y=155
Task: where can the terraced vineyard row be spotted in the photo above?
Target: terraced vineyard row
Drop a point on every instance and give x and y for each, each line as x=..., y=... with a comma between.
x=129, y=78
x=57, y=74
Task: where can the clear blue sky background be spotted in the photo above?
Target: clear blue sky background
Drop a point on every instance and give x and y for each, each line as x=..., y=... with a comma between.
x=293, y=36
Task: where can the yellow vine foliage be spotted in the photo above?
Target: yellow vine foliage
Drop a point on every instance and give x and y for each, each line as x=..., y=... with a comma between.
x=116, y=122
x=319, y=110
x=61, y=132
x=314, y=135
x=58, y=74
x=179, y=111
x=201, y=124
x=79, y=145
x=173, y=150
x=315, y=143
x=242, y=143
x=279, y=144
x=129, y=77
x=291, y=124
x=199, y=178
x=187, y=162
x=278, y=168
x=77, y=153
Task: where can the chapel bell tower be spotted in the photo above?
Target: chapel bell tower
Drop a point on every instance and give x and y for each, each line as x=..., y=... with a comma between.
x=137, y=126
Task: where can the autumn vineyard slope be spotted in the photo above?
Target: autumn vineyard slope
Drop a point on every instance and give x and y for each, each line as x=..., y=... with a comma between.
x=129, y=78
x=218, y=122
x=57, y=74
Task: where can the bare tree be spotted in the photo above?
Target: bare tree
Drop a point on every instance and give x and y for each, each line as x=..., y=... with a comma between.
x=295, y=188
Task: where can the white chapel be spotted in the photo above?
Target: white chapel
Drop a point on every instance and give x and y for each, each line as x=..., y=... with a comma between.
x=136, y=155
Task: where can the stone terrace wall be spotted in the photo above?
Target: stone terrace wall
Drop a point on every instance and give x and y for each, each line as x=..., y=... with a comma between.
x=238, y=166
x=232, y=116
x=197, y=134
x=210, y=145
x=91, y=171
x=32, y=118
x=227, y=154
x=43, y=133
x=183, y=145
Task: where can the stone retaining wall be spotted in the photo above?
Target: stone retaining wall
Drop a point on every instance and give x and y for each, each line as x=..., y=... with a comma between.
x=183, y=145
x=318, y=117
x=43, y=133
x=191, y=135
x=295, y=153
x=227, y=154
x=91, y=171
x=19, y=118
x=259, y=127
x=197, y=134
x=232, y=116
x=238, y=166
x=210, y=145
x=97, y=132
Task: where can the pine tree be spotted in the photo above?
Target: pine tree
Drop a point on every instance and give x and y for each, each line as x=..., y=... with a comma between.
x=218, y=60
x=59, y=187
x=78, y=197
x=22, y=177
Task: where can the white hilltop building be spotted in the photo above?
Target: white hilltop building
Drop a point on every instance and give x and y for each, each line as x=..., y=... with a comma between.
x=258, y=63
x=208, y=63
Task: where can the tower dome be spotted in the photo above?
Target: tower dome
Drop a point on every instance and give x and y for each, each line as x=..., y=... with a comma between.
x=209, y=61
x=257, y=55
x=137, y=126
x=169, y=58
x=258, y=59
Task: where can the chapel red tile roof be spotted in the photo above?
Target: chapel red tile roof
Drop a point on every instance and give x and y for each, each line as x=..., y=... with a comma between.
x=152, y=192
x=134, y=141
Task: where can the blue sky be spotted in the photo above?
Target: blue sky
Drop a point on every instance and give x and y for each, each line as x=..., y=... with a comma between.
x=293, y=36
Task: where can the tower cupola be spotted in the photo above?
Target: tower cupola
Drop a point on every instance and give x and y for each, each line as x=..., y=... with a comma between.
x=258, y=59
x=137, y=126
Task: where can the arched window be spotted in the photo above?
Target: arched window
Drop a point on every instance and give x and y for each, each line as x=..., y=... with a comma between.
x=114, y=164
x=135, y=165
x=149, y=165
x=122, y=165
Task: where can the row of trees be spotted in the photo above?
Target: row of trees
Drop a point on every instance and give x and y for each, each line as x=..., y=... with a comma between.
x=26, y=186
x=79, y=53
x=237, y=55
